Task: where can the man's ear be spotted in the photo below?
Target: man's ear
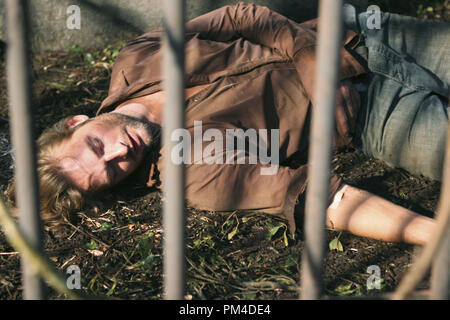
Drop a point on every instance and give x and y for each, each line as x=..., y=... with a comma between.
x=76, y=120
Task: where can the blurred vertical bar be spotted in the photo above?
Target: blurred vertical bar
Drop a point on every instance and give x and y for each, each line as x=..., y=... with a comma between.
x=173, y=174
x=320, y=152
x=440, y=273
x=19, y=92
x=436, y=251
x=440, y=276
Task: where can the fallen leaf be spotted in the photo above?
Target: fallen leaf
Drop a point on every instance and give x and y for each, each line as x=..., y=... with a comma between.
x=96, y=252
x=335, y=244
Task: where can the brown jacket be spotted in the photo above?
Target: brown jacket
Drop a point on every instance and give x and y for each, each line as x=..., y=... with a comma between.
x=260, y=67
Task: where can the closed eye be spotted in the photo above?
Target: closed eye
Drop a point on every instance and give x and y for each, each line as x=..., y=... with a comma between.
x=96, y=145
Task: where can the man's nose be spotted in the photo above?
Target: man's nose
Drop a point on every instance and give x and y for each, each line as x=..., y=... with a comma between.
x=115, y=152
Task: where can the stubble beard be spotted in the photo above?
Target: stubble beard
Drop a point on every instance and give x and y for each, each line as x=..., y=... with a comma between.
x=152, y=130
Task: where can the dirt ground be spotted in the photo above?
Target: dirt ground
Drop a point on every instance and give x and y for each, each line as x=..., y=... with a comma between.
x=238, y=256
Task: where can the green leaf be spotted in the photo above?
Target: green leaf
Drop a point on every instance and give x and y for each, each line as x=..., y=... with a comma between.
x=291, y=261
x=111, y=291
x=76, y=50
x=286, y=242
x=274, y=227
x=107, y=225
x=204, y=240
x=274, y=230
x=115, y=53
x=145, y=246
x=91, y=245
x=345, y=290
x=56, y=85
x=335, y=244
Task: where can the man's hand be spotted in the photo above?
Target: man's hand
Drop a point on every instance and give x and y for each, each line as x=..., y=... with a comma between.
x=348, y=104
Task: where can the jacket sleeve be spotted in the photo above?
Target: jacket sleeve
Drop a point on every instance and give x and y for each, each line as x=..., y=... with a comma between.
x=255, y=23
x=260, y=25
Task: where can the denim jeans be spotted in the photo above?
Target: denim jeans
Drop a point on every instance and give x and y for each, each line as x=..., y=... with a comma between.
x=404, y=117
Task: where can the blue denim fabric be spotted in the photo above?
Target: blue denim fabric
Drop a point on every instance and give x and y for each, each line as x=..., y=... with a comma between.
x=404, y=117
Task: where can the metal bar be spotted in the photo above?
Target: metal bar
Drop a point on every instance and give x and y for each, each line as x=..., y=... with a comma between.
x=440, y=273
x=19, y=92
x=322, y=129
x=173, y=174
x=436, y=248
x=440, y=276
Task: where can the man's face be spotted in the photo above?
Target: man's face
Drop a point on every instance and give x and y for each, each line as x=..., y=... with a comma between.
x=104, y=151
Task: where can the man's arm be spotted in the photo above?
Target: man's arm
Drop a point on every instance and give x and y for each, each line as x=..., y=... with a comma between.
x=292, y=40
x=255, y=23
x=368, y=215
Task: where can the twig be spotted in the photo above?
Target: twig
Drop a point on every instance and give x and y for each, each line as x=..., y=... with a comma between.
x=39, y=262
x=8, y=253
x=88, y=234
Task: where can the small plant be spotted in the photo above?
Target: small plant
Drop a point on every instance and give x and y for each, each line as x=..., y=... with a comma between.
x=91, y=245
x=76, y=51
x=350, y=289
x=277, y=227
x=335, y=244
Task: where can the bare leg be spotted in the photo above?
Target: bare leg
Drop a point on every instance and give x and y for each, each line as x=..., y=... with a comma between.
x=368, y=215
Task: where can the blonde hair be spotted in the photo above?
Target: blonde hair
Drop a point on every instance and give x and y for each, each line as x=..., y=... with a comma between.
x=59, y=199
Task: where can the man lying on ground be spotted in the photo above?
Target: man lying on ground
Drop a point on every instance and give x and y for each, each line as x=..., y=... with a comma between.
x=249, y=85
